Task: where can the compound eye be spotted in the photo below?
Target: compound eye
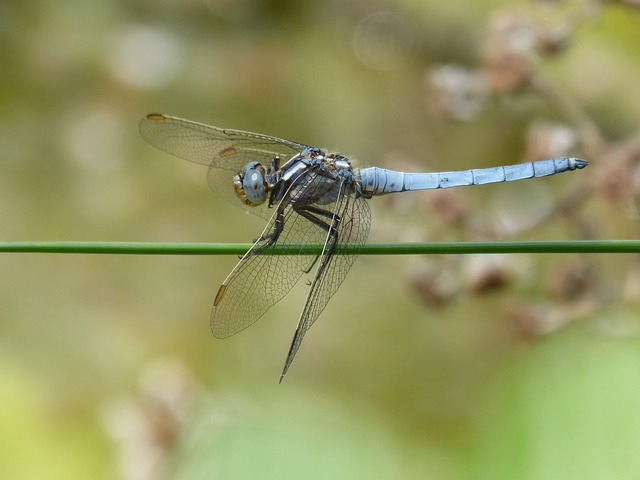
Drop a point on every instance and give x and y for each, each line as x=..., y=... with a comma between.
x=254, y=183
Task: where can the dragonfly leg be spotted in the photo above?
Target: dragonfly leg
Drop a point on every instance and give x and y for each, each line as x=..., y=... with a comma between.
x=276, y=193
x=310, y=213
x=278, y=225
x=272, y=238
x=274, y=165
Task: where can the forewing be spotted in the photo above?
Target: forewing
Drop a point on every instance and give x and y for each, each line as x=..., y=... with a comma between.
x=225, y=151
x=213, y=146
x=353, y=229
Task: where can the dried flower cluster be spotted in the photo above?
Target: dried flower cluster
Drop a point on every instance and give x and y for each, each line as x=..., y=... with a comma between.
x=513, y=51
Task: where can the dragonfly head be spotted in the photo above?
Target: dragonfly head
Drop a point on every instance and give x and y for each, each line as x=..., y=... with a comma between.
x=251, y=184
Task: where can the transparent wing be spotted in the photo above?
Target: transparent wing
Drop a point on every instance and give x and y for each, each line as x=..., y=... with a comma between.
x=259, y=281
x=225, y=151
x=212, y=146
x=353, y=221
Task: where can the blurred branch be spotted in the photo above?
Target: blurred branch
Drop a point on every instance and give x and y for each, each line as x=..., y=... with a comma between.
x=628, y=3
x=627, y=149
x=590, y=137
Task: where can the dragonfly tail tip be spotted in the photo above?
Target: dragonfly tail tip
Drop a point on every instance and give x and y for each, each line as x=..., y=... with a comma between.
x=580, y=163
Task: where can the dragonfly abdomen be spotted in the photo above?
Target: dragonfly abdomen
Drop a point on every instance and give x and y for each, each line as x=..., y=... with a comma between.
x=379, y=181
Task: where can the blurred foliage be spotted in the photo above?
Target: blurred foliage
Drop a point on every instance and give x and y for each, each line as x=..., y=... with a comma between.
x=443, y=367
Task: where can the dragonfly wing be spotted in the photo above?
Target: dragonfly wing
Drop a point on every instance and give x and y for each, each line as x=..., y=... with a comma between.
x=353, y=221
x=225, y=151
x=212, y=146
x=262, y=279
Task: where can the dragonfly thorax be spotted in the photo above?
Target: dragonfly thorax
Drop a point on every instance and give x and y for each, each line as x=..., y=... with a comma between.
x=251, y=184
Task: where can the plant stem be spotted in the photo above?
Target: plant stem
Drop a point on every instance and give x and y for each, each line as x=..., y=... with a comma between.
x=442, y=248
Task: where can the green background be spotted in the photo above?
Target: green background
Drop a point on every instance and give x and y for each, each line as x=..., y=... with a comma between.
x=417, y=368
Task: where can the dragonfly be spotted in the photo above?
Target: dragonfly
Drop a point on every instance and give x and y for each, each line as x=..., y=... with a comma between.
x=308, y=197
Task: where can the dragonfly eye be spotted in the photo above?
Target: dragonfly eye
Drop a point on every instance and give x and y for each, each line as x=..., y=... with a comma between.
x=251, y=184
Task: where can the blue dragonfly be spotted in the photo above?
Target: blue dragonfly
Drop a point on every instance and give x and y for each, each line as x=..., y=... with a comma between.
x=308, y=197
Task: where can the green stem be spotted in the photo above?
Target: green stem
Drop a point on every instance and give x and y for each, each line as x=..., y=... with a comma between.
x=443, y=248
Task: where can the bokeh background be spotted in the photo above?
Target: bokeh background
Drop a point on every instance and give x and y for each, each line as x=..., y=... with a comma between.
x=421, y=367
